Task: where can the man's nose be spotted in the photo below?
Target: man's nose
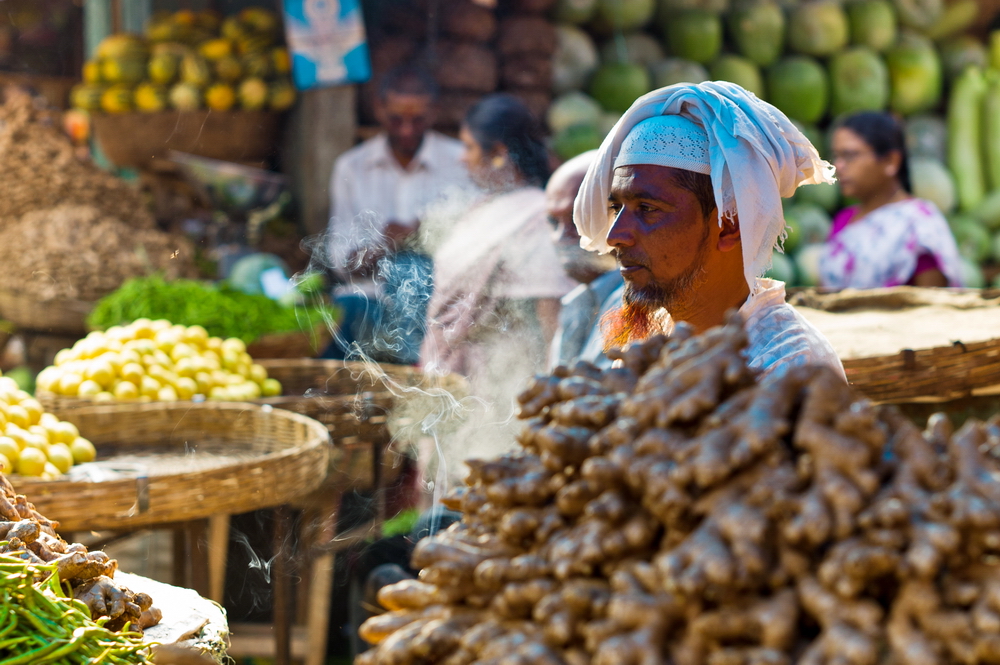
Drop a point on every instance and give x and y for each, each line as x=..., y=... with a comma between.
x=622, y=232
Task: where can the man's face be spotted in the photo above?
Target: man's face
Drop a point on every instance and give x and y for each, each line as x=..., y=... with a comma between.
x=659, y=235
x=405, y=118
x=578, y=263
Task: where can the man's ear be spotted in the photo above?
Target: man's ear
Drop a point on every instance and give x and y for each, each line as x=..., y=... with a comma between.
x=729, y=234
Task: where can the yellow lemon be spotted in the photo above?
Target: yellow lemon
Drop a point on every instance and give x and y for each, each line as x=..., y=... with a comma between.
x=213, y=344
x=204, y=381
x=88, y=389
x=31, y=462
x=34, y=409
x=185, y=367
x=258, y=373
x=69, y=383
x=5, y=464
x=63, y=356
x=43, y=432
x=35, y=441
x=17, y=434
x=230, y=359
x=196, y=335
x=235, y=344
x=51, y=472
x=48, y=420
x=9, y=384
x=126, y=390
x=117, y=333
x=149, y=387
x=161, y=324
x=243, y=369
x=212, y=362
x=133, y=372
x=60, y=457
x=100, y=372
x=66, y=432
x=234, y=380
x=182, y=350
x=142, y=329
x=104, y=396
x=130, y=356
x=47, y=378
x=252, y=389
x=219, y=393
x=114, y=360
x=162, y=358
x=167, y=394
x=186, y=387
x=271, y=388
x=9, y=448
x=18, y=415
x=83, y=450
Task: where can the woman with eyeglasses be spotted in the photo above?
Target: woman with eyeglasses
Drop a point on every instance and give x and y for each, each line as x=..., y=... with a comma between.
x=890, y=238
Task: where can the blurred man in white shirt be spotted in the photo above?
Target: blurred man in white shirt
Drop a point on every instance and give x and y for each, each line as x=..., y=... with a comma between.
x=380, y=191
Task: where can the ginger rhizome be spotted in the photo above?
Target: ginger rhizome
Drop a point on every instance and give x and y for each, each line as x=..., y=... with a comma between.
x=674, y=510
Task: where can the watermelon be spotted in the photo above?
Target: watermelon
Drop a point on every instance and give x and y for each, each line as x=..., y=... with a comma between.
x=573, y=108
x=574, y=12
x=826, y=196
x=872, y=23
x=758, y=30
x=694, y=34
x=926, y=136
x=574, y=61
x=738, y=70
x=638, y=48
x=577, y=139
x=782, y=268
x=974, y=241
x=915, y=73
x=623, y=15
x=798, y=86
x=807, y=263
x=807, y=224
x=817, y=28
x=960, y=52
x=670, y=71
x=929, y=179
x=859, y=81
x=616, y=85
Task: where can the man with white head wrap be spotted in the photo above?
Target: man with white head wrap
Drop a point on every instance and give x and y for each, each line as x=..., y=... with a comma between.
x=686, y=194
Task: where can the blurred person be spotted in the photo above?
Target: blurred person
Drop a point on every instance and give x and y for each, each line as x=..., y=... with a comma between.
x=497, y=280
x=381, y=189
x=686, y=194
x=890, y=237
x=578, y=336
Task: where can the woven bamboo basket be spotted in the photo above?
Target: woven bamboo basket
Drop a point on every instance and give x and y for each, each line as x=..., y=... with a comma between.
x=182, y=462
x=907, y=344
x=299, y=344
x=66, y=317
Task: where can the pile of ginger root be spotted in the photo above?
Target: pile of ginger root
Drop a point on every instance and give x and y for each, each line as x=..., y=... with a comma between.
x=31, y=537
x=675, y=510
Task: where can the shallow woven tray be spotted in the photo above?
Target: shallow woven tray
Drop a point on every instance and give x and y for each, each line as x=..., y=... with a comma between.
x=55, y=316
x=908, y=344
x=300, y=344
x=198, y=460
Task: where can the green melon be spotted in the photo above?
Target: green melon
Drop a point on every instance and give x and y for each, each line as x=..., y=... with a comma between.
x=573, y=108
x=807, y=262
x=616, y=85
x=574, y=12
x=668, y=8
x=915, y=74
x=738, y=70
x=815, y=136
x=782, y=268
x=807, y=224
x=575, y=59
x=758, y=31
x=638, y=48
x=873, y=23
x=694, y=34
x=577, y=139
x=960, y=52
x=973, y=239
x=931, y=180
x=798, y=86
x=623, y=15
x=859, y=81
x=670, y=71
x=824, y=195
x=817, y=28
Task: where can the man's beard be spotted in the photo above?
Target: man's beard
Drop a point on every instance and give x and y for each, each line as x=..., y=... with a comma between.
x=642, y=312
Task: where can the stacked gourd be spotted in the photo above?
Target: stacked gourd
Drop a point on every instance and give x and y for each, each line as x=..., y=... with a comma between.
x=815, y=60
x=191, y=60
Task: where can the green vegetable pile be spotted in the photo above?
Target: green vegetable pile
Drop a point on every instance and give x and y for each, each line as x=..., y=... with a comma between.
x=39, y=624
x=222, y=310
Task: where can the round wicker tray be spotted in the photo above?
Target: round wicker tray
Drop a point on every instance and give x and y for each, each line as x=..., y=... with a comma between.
x=181, y=462
x=300, y=344
x=908, y=344
x=66, y=317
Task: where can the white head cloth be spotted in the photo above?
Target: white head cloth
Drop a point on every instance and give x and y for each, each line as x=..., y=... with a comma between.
x=756, y=157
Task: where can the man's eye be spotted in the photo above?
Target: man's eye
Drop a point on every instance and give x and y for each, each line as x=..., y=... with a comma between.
x=645, y=207
x=614, y=207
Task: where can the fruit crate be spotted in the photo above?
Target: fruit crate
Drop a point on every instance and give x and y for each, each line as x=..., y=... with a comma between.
x=136, y=139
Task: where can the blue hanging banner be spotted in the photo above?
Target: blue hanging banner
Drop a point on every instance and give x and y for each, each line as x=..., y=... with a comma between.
x=327, y=41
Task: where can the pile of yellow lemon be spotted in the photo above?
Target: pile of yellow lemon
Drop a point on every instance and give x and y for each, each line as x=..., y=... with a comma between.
x=35, y=443
x=156, y=361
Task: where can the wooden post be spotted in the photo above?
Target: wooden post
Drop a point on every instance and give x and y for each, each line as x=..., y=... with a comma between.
x=322, y=126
